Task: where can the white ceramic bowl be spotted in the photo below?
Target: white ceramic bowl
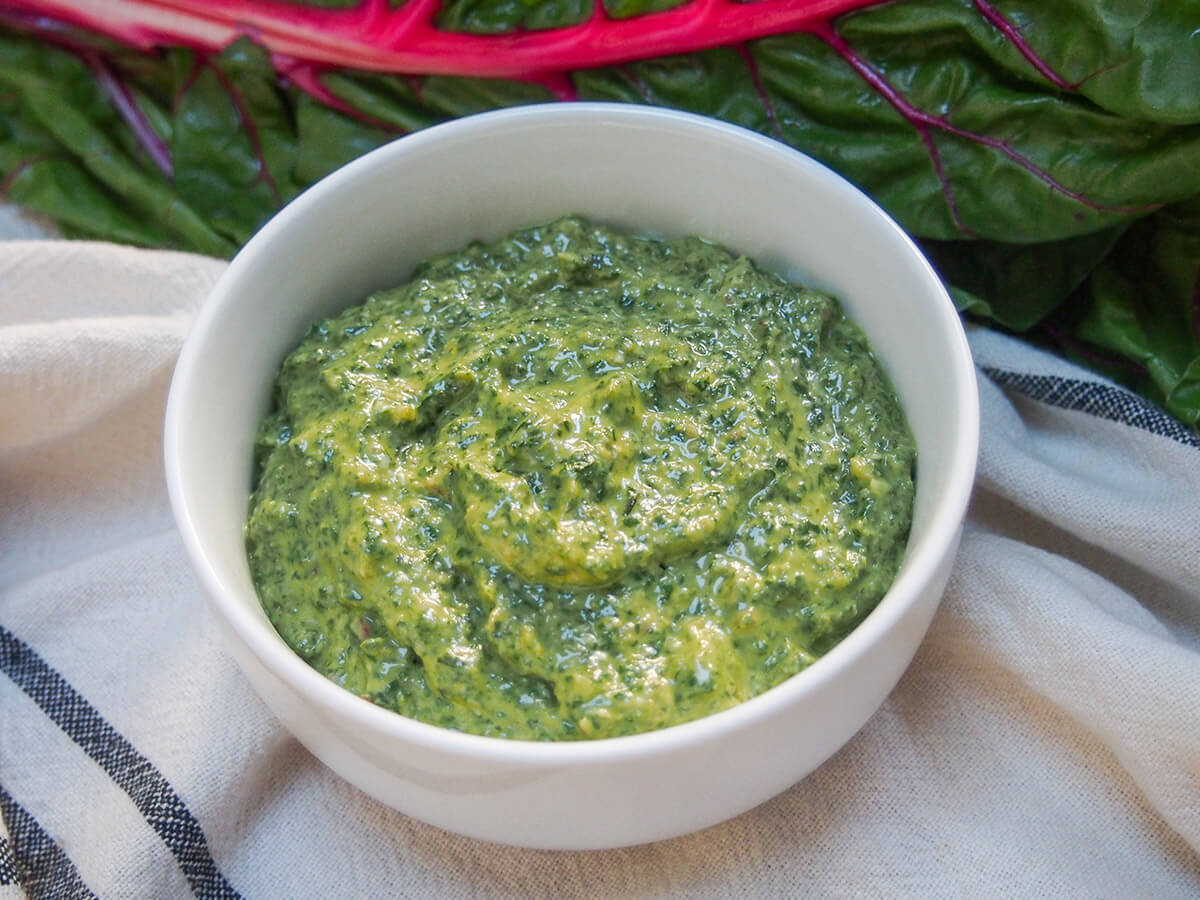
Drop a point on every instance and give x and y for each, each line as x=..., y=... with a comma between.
x=648, y=170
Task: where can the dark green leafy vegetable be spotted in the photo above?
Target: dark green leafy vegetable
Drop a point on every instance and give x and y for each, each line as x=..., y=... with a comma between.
x=1047, y=155
x=499, y=16
x=1031, y=280
x=1144, y=304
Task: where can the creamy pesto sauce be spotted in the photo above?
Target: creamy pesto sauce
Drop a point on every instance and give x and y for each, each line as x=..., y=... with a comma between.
x=578, y=484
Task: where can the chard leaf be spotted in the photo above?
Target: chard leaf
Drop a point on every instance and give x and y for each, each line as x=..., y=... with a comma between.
x=1014, y=158
x=499, y=16
x=1026, y=282
x=64, y=150
x=973, y=152
x=448, y=97
x=961, y=117
x=390, y=100
x=329, y=140
x=627, y=9
x=1144, y=304
x=233, y=142
x=1136, y=58
x=410, y=104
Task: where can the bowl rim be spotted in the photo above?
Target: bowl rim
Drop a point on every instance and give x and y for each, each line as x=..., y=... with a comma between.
x=945, y=517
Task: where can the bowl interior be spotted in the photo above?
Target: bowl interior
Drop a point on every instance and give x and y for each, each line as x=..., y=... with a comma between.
x=646, y=170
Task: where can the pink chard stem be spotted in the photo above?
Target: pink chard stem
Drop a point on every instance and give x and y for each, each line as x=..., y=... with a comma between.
x=377, y=37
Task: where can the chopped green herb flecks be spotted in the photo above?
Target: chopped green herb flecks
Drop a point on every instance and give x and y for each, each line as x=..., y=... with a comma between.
x=577, y=484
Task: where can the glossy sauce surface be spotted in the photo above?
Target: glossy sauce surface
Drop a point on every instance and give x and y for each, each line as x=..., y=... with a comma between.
x=578, y=484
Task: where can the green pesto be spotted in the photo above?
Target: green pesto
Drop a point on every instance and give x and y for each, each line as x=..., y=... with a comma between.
x=578, y=484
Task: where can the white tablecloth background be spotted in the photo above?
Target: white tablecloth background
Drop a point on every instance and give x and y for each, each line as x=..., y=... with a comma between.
x=1045, y=742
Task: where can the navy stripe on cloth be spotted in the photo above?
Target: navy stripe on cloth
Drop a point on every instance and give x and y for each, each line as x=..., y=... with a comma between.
x=151, y=793
x=34, y=860
x=9, y=873
x=1102, y=400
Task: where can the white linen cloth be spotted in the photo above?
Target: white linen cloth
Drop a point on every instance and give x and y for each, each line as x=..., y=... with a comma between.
x=1045, y=742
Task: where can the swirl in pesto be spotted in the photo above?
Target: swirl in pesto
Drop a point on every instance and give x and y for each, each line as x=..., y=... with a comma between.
x=578, y=484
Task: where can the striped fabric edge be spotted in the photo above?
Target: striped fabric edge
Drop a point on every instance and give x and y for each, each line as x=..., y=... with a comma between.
x=1104, y=401
x=34, y=860
x=10, y=873
x=149, y=790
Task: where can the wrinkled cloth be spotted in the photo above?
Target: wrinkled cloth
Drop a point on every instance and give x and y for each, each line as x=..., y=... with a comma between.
x=1045, y=741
